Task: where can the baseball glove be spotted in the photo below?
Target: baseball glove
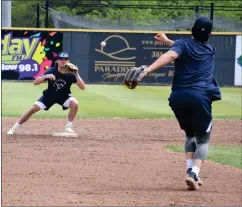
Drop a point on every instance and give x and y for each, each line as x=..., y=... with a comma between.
x=134, y=76
x=69, y=68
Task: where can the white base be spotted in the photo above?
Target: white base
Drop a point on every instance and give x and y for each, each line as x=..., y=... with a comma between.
x=64, y=134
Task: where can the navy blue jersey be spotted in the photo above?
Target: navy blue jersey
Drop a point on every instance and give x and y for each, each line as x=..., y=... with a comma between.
x=194, y=67
x=61, y=87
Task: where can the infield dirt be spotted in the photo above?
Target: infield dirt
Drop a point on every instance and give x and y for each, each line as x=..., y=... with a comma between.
x=112, y=162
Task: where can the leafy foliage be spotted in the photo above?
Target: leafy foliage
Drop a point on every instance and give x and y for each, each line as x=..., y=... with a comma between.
x=24, y=12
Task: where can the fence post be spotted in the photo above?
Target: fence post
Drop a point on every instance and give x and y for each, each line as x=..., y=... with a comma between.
x=37, y=16
x=46, y=13
x=211, y=11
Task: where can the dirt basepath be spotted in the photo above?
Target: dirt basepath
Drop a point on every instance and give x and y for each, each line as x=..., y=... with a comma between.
x=112, y=162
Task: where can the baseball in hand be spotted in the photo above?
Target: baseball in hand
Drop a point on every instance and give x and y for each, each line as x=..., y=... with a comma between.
x=103, y=44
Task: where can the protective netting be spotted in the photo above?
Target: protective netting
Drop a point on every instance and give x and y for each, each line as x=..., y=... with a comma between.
x=128, y=22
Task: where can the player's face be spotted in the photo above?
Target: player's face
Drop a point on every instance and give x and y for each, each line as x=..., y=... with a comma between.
x=62, y=61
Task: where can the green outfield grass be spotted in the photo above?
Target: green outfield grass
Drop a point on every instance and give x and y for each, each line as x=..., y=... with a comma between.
x=225, y=155
x=111, y=101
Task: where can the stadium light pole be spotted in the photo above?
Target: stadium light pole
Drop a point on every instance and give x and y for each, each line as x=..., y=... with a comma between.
x=6, y=13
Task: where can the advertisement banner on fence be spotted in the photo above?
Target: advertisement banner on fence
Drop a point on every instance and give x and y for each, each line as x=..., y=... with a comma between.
x=124, y=51
x=28, y=54
x=238, y=62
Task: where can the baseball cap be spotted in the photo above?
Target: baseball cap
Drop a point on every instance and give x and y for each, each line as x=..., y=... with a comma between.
x=62, y=55
x=202, y=28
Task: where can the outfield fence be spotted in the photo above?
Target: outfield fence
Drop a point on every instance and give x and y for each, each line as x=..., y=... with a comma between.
x=28, y=53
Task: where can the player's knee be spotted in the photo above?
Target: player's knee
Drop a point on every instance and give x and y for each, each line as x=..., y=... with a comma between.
x=190, y=144
x=74, y=104
x=35, y=109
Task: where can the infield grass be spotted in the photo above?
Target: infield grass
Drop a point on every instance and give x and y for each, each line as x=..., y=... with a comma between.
x=111, y=101
x=225, y=155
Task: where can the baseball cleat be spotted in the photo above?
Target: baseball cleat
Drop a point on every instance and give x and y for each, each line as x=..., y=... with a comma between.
x=69, y=130
x=192, y=181
x=200, y=181
x=11, y=131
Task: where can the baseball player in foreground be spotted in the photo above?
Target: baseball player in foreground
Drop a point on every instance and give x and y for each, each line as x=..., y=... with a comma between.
x=193, y=91
x=60, y=79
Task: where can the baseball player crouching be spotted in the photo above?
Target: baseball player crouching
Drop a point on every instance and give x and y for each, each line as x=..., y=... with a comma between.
x=58, y=92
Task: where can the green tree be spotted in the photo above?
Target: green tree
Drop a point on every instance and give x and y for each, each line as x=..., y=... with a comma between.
x=24, y=12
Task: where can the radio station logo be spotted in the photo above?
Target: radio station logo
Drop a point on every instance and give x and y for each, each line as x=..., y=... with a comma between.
x=28, y=54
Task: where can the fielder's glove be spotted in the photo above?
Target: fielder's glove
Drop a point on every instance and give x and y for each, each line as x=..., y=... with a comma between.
x=69, y=68
x=134, y=76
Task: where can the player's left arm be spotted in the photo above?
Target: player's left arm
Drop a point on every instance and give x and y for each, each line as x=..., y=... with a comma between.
x=80, y=83
x=136, y=74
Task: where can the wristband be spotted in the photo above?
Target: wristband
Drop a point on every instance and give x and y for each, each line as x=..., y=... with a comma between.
x=77, y=75
x=44, y=77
